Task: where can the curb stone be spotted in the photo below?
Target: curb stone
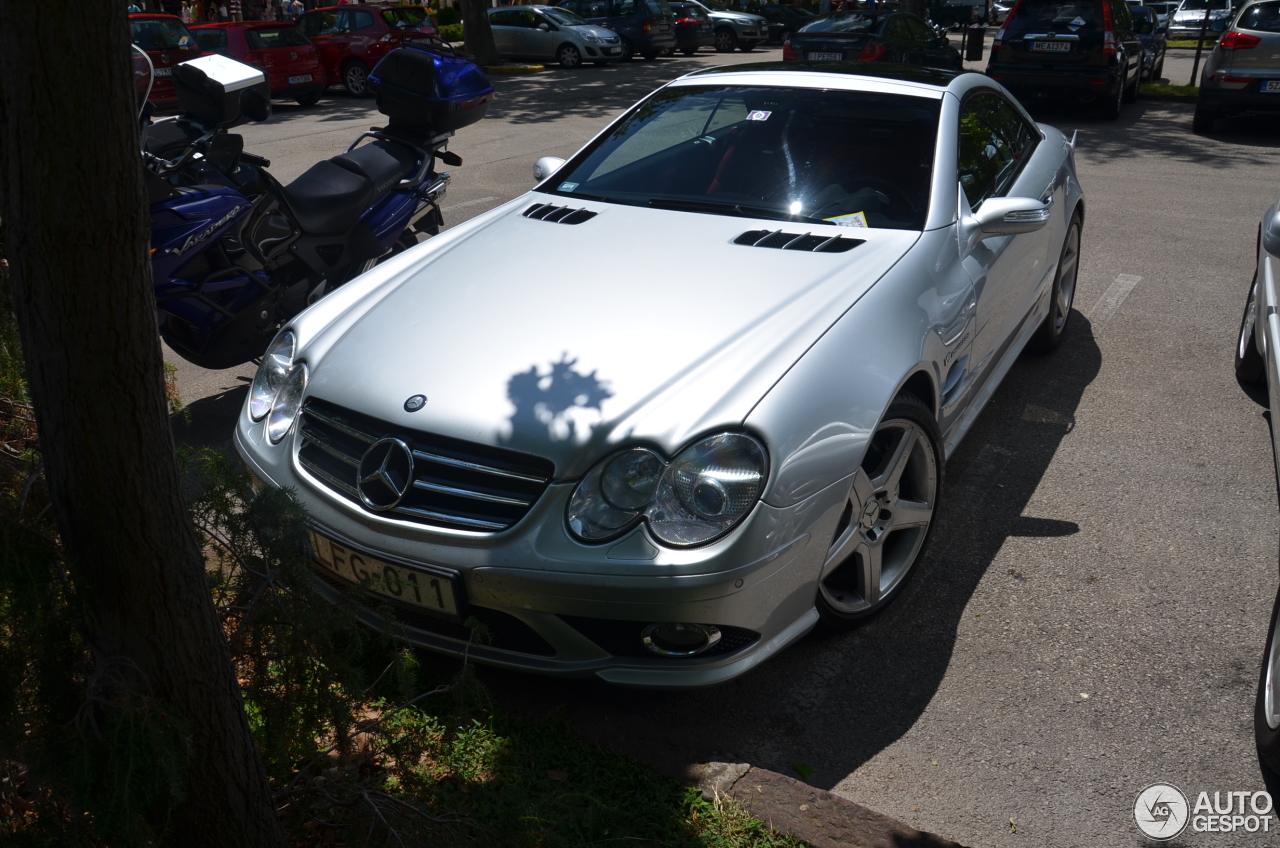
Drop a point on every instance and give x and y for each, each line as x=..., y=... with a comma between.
x=814, y=816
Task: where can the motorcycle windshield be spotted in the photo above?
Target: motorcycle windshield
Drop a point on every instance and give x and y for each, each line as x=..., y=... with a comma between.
x=143, y=76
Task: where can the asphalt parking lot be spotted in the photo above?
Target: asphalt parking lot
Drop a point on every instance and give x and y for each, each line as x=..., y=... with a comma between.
x=1091, y=615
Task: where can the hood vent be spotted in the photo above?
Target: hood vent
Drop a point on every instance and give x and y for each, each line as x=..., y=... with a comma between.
x=558, y=214
x=797, y=241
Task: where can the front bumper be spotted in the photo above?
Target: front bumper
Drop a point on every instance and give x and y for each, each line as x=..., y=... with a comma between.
x=601, y=52
x=562, y=608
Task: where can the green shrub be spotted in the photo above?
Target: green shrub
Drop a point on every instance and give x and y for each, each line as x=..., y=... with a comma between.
x=451, y=32
x=446, y=17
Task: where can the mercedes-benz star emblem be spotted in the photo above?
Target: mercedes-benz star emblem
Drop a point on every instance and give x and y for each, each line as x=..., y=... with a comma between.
x=415, y=403
x=385, y=474
x=293, y=55
x=164, y=57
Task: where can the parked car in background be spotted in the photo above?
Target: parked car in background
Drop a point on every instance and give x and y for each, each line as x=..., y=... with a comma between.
x=693, y=28
x=1000, y=11
x=1163, y=10
x=733, y=28
x=646, y=27
x=166, y=41
x=292, y=64
x=1152, y=35
x=352, y=39
x=784, y=20
x=1189, y=16
x=865, y=36
x=550, y=34
x=1242, y=73
x=1084, y=49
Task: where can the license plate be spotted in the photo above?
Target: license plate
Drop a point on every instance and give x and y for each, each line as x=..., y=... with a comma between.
x=300, y=78
x=615, y=50
x=164, y=72
x=749, y=33
x=1271, y=86
x=1051, y=46
x=825, y=57
x=433, y=592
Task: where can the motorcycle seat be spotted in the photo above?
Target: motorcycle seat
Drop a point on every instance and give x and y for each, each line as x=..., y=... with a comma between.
x=328, y=198
x=385, y=163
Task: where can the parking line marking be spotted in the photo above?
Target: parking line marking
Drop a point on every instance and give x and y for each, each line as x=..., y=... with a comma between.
x=467, y=203
x=1112, y=299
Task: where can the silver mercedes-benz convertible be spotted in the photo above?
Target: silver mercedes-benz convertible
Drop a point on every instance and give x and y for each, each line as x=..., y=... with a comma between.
x=665, y=471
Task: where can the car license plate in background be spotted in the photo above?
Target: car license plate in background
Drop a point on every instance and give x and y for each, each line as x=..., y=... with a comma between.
x=299, y=78
x=164, y=72
x=1271, y=86
x=419, y=588
x=825, y=57
x=1051, y=46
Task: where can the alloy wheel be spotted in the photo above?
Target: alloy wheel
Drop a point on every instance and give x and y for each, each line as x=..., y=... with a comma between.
x=887, y=519
x=569, y=57
x=356, y=79
x=726, y=41
x=1068, y=267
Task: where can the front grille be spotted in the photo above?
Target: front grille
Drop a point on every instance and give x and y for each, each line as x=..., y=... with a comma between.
x=797, y=241
x=623, y=638
x=500, y=630
x=456, y=484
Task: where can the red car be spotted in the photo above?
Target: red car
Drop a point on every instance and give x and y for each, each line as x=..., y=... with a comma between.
x=167, y=42
x=351, y=39
x=291, y=62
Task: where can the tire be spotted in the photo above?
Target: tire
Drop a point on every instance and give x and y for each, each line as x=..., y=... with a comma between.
x=355, y=76
x=569, y=56
x=873, y=552
x=747, y=46
x=628, y=51
x=1203, y=120
x=1130, y=94
x=311, y=98
x=688, y=51
x=1110, y=110
x=726, y=40
x=1267, y=701
x=1250, y=366
x=1158, y=73
x=1049, y=334
x=783, y=36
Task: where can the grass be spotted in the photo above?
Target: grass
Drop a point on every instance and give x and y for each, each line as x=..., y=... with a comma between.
x=1162, y=89
x=1209, y=42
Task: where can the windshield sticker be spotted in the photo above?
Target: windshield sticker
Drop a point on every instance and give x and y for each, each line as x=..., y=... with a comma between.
x=857, y=219
x=759, y=116
x=1077, y=23
x=568, y=186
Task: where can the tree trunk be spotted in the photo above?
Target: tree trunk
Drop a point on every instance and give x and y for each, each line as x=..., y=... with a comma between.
x=477, y=33
x=77, y=236
x=917, y=7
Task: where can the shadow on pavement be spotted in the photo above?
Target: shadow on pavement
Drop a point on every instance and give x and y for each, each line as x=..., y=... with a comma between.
x=833, y=702
x=209, y=422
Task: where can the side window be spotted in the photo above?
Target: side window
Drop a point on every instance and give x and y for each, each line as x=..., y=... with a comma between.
x=920, y=31
x=500, y=18
x=572, y=6
x=211, y=40
x=364, y=20
x=594, y=9
x=618, y=8
x=994, y=143
x=325, y=23
x=897, y=28
x=526, y=19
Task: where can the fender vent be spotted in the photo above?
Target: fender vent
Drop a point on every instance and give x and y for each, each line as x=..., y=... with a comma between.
x=558, y=214
x=797, y=241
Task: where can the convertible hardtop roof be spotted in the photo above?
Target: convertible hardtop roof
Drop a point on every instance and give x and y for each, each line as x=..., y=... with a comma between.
x=876, y=70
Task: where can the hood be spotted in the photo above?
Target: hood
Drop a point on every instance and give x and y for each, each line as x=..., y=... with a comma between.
x=597, y=31
x=737, y=17
x=566, y=340
x=1198, y=15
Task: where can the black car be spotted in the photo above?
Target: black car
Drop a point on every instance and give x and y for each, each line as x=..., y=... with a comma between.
x=1087, y=49
x=647, y=27
x=1152, y=35
x=872, y=36
x=693, y=28
x=784, y=20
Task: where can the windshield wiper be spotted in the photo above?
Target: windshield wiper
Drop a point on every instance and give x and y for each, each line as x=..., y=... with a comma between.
x=713, y=208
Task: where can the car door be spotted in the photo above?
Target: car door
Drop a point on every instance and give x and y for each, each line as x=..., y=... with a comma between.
x=544, y=36
x=363, y=33
x=997, y=149
x=323, y=28
x=504, y=25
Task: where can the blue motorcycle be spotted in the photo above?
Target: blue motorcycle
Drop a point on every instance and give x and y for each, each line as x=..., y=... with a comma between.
x=235, y=253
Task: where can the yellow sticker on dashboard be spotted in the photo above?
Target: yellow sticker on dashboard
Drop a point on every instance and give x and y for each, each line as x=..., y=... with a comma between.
x=857, y=219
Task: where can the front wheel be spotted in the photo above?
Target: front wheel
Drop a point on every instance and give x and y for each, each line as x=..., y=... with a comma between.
x=887, y=518
x=1250, y=365
x=568, y=56
x=628, y=51
x=355, y=76
x=1049, y=334
x=1266, y=709
x=726, y=40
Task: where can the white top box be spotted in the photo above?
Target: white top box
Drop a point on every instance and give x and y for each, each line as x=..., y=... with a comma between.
x=228, y=73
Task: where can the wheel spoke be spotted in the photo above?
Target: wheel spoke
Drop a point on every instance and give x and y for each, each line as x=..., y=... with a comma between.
x=897, y=460
x=843, y=546
x=907, y=513
x=870, y=555
x=863, y=489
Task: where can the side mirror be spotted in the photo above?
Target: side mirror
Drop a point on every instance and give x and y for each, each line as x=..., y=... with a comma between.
x=545, y=27
x=1001, y=216
x=1219, y=25
x=545, y=167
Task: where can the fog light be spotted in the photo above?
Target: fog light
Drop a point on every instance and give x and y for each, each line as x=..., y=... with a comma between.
x=680, y=640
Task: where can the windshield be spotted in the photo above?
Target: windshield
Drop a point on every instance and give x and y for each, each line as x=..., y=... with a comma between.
x=410, y=16
x=1201, y=5
x=1078, y=16
x=713, y=6
x=564, y=17
x=160, y=34
x=840, y=157
x=1261, y=17
x=843, y=22
x=260, y=39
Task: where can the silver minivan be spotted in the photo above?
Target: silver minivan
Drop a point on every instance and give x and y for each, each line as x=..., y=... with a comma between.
x=548, y=33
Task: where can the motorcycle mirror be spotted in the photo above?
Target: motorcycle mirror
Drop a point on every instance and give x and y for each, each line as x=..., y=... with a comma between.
x=254, y=106
x=143, y=77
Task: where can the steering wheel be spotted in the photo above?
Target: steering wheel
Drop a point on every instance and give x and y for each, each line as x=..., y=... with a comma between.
x=889, y=189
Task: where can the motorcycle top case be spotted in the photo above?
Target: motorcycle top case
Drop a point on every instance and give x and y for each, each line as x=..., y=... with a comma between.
x=430, y=90
x=219, y=90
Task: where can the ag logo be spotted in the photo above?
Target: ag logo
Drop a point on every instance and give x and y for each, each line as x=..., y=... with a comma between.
x=1161, y=811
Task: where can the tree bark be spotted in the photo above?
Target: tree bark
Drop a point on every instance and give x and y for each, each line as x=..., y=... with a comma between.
x=478, y=36
x=77, y=237
x=918, y=7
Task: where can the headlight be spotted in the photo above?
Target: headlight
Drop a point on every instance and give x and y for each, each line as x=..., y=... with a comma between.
x=591, y=38
x=271, y=374
x=698, y=497
x=288, y=402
